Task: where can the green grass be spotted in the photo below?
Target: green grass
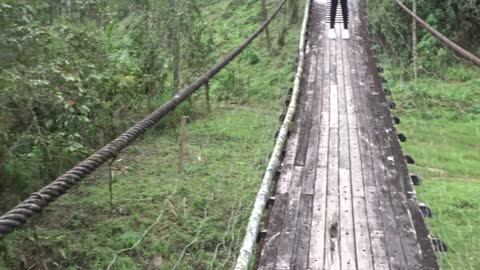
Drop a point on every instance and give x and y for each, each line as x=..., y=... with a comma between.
x=456, y=208
x=441, y=118
x=203, y=212
x=443, y=148
x=227, y=153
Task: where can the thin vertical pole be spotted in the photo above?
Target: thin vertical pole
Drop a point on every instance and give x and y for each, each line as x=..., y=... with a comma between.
x=264, y=18
x=207, y=96
x=414, y=41
x=111, y=179
x=175, y=32
x=183, y=137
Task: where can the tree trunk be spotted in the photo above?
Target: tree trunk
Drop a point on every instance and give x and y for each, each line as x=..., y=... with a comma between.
x=149, y=66
x=149, y=71
x=283, y=30
x=414, y=41
x=264, y=18
x=293, y=7
x=1, y=170
x=207, y=97
x=182, y=138
x=175, y=45
x=69, y=9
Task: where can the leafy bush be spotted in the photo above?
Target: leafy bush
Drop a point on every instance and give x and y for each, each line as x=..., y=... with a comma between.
x=458, y=20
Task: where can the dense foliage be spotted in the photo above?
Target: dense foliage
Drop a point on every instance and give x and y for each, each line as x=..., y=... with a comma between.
x=73, y=74
x=458, y=20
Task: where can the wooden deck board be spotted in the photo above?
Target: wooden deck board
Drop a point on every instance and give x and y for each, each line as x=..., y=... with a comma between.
x=342, y=199
x=289, y=225
x=332, y=243
x=317, y=236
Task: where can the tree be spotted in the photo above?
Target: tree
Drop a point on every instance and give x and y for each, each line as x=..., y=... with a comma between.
x=293, y=7
x=264, y=18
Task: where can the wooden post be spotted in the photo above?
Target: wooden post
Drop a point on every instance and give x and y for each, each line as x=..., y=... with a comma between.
x=183, y=137
x=207, y=96
x=111, y=179
x=414, y=41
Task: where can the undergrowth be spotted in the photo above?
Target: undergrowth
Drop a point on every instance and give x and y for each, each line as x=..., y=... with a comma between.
x=227, y=153
x=440, y=115
x=202, y=212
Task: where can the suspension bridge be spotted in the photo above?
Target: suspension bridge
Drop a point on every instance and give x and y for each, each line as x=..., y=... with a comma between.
x=336, y=193
x=344, y=199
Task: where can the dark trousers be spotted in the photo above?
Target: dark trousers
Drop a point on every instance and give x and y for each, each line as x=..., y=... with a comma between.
x=333, y=13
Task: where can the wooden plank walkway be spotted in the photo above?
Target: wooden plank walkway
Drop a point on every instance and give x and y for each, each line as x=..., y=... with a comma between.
x=344, y=199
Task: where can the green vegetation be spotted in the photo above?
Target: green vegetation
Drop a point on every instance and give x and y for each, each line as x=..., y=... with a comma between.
x=206, y=207
x=440, y=114
x=458, y=20
x=74, y=74
x=441, y=117
x=121, y=66
x=456, y=218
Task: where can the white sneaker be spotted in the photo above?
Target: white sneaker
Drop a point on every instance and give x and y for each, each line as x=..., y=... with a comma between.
x=345, y=34
x=332, y=34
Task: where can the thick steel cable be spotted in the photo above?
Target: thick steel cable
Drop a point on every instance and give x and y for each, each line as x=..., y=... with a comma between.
x=36, y=202
x=461, y=51
x=249, y=241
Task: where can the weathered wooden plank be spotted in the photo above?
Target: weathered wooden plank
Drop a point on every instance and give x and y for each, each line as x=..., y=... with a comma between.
x=377, y=192
x=275, y=221
x=269, y=249
x=317, y=237
x=372, y=204
x=306, y=116
x=302, y=237
x=304, y=113
x=283, y=181
x=332, y=249
x=395, y=177
x=346, y=224
x=361, y=224
x=393, y=244
x=334, y=106
x=325, y=108
x=332, y=243
x=287, y=235
x=313, y=138
x=352, y=108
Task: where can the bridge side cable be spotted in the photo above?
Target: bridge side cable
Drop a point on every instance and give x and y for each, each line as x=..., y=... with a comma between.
x=452, y=45
x=36, y=202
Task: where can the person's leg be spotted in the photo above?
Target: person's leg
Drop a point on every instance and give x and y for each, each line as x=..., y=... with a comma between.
x=345, y=33
x=345, y=13
x=333, y=13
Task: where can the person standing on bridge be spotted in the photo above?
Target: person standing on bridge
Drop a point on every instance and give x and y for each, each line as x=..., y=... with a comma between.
x=333, y=14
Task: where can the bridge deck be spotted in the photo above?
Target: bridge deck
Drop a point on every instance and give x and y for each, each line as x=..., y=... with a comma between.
x=344, y=199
